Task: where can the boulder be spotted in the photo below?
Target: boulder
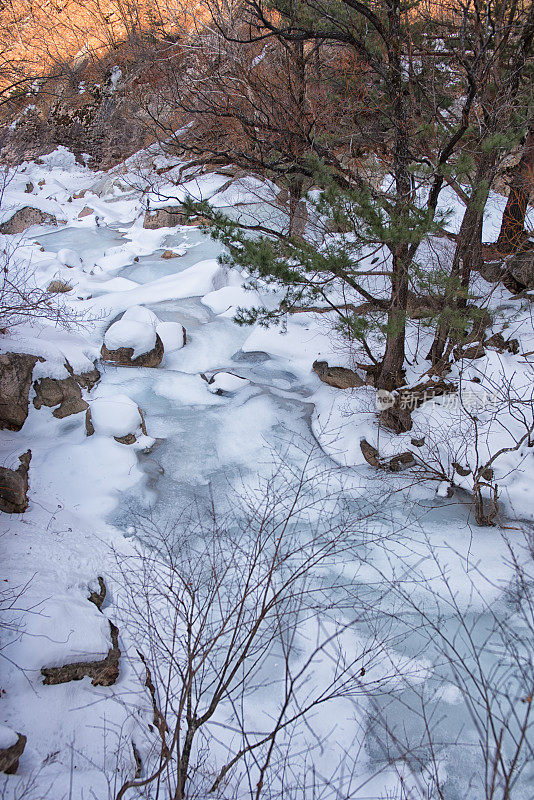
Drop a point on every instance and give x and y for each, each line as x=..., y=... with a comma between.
x=396, y=418
x=65, y=393
x=370, y=453
x=86, y=212
x=339, y=377
x=9, y=756
x=169, y=217
x=117, y=416
x=401, y=461
x=26, y=217
x=520, y=267
x=15, y=381
x=14, y=486
x=491, y=271
x=103, y=672
x=59, y=287
x=123, y=356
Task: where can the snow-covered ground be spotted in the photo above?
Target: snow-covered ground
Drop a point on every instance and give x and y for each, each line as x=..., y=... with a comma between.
x=207, y=442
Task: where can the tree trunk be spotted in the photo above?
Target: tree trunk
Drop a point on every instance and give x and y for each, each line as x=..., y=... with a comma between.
x=467, y=255
x=512, y=234
x=392, y=367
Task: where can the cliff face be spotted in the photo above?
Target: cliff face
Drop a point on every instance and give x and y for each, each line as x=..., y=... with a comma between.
x=71, y=72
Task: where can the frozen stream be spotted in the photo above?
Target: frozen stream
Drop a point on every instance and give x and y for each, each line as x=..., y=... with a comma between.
x=208, y=447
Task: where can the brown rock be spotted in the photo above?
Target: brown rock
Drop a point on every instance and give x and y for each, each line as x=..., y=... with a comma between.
x=59, y=287
x=396, y=418
x=170, y=254
x=24, y=218
x=29, y=188
x=491, y=271
x=401, y=461
x=62, y=392
x=123, y=356
x=98, y=597
x=339, y=377
x=15, y=381
x=520, y=267
x=79, y=195
x=102, y=673
x=498, y=342
x=128, y=439
x=370, y=453
x=9, y=756
x=169, y=217
x=14, y=486
x=86, y=212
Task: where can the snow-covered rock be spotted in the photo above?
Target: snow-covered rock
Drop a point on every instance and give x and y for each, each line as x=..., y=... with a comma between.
x=172, y=334
x=140, y=337
x=226, y=382
x=69, y=258
x=116, y=415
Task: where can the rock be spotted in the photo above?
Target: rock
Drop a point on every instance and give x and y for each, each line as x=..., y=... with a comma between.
x=226, y=383
x=169, y=217
x=86, y=212
x=79, y=195
x=170, y=254
x=463, y=471
x=98, y=597
x=117, y=416
x=26, y=217
x=123, y=356
x=401, y=461
x=85, y=379
x=339, y=377
x=15, y=381
x=14, y=486
x=418, y=442
x=520, y=267
x=128, y=439
x=29, y=188
x=475, y=351
x=172, y=334
x=491, y=271
x=9, y=756
x=64, y=393
x=102, y=673
x=370, y=453
x=498, y=342
x=59, y=287
x=397, y=418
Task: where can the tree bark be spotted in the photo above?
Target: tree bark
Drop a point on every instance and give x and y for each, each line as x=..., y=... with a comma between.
x=512, y=235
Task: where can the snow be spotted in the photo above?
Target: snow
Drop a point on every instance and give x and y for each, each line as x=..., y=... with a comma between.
x=115, y=415
x=171, y=334
x=90, y=495
x=140, y=336
x=7, y=737
x=226, y=382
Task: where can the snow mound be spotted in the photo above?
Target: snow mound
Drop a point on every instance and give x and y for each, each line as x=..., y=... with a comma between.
x=171, y=334
x=69, y=258
x=8, y=737
x=141, y=314
x=226, y=382
x=116, y=415
x=141, y=336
